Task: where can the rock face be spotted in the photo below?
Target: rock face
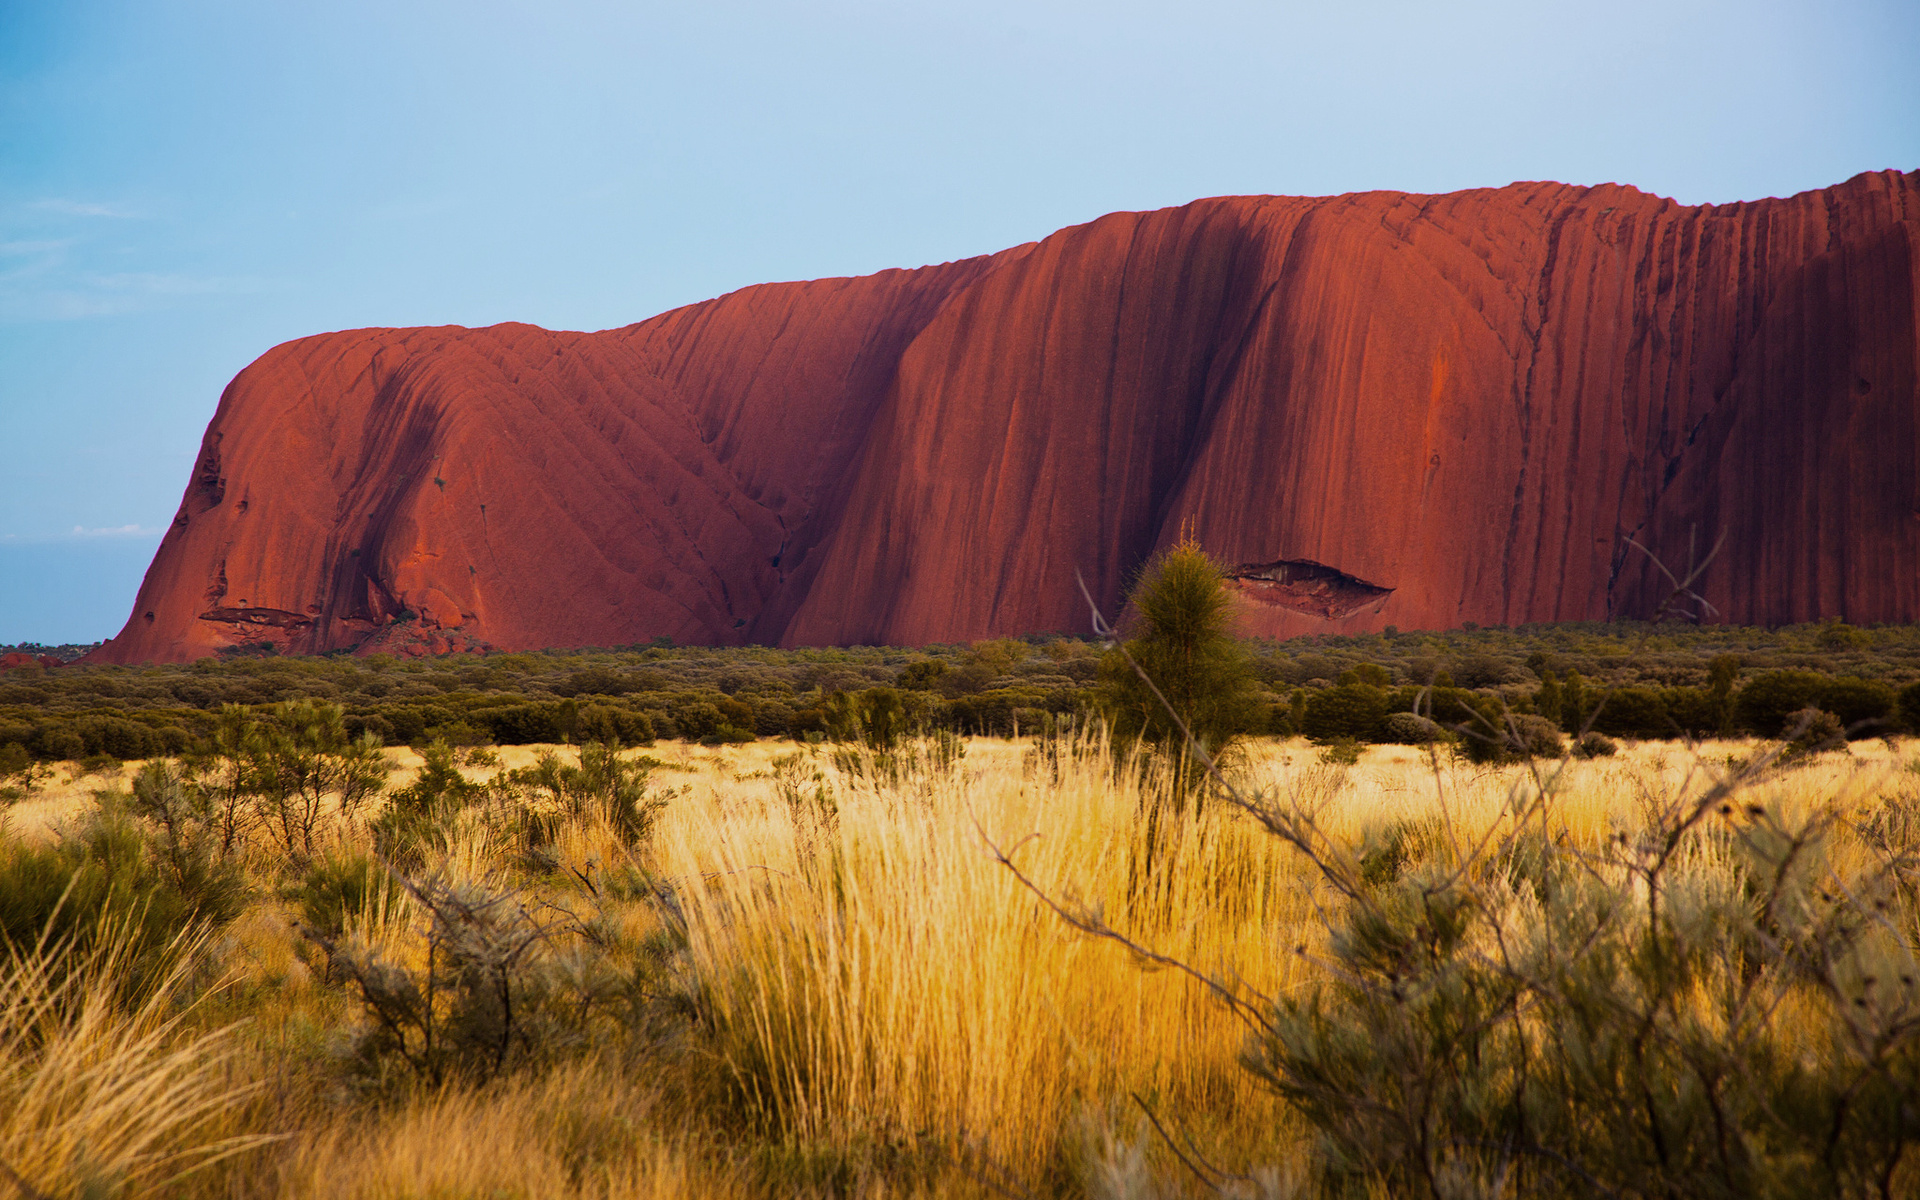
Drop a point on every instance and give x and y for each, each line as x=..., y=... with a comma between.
x=1384, y=409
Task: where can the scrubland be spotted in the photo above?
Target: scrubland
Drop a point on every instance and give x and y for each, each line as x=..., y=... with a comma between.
x=986, y=966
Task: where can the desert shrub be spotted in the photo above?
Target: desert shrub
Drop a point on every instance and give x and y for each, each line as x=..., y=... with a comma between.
x=606, y=723
x=1372, y=674
x=1907, y=708
x=696, y=719
x=923, y=676
x=1595, y=745
x=525, y=724
x=416, y=817
x=1635, y=713
x=190, y=844
x=1566, y=702
x=1411, y=729
x=812, y=806
x=408, y=723
x=1357, y=711
x=361, y=723
x=1723, y=671
x=1509, y=737
x=991, y=714
x=877, y=717
x=116, y=737
x=1385, y=853
x=1840, y=636
x=1865, y=707
x=1340, y=751
x=58, y=743
x=600, y=783
x=225, y=778
x=1693, y=712
x=454, y=733
x=1183, y=670
x=1281, y=718
x=1812, y=731
x=479, y=991
x=1452, y=707
x=1716, y=1006
x=596, y=681
x=107, y=875
x=1764, y=704
x=303, y=763
x=338, y=887
x=1485, y=671
x=772, y=718
x=20, y=775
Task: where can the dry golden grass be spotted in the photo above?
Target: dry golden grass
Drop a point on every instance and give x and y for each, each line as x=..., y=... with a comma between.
x=97, y=1092
x=887, y=1010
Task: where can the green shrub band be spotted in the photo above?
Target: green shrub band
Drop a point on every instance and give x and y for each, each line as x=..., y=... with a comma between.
x=1692, y=682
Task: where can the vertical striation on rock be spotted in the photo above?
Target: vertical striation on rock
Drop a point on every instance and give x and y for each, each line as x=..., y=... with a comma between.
x=1495, y=406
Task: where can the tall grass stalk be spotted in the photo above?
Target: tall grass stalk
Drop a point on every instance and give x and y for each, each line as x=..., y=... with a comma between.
x=101, y=1093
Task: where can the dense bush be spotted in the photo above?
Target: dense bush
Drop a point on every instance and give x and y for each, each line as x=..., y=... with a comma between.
x=1350, y=710
x=478, y=992
x=1410, y=729
x=1864, y=707
x=1690, y=1013
x=1635, y=713
x=113, y=873
x=600, y=783
x=1510, y=737
x=1765, y=703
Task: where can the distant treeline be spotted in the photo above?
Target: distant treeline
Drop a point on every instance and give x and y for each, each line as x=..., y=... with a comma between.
x=1645, y=682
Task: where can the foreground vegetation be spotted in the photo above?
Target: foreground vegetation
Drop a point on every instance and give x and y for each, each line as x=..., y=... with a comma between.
x=1159, y=945
x=959, y=967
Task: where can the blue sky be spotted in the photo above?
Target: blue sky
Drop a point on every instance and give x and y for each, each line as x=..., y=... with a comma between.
x=185, y=184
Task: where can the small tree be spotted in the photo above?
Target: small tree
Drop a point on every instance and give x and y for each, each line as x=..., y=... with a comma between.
x=1184, y=667
x=230, y=777
x=305, y=756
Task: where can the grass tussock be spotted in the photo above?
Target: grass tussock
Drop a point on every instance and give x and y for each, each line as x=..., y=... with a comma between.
x=101, y=1092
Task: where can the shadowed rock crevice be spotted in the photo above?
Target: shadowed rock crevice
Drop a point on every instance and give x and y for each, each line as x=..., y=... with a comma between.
x=1303, y=586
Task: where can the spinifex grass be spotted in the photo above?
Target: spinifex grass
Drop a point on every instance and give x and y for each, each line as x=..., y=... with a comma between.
x=101, y=1090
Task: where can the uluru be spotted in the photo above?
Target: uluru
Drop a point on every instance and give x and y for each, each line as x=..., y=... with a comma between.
x=1496, y=406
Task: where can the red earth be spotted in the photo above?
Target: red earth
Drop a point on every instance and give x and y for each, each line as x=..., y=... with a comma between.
x=1497, y=406
x=16, y=658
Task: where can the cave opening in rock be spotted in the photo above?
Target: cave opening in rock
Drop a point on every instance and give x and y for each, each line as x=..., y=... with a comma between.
x=1304, y=586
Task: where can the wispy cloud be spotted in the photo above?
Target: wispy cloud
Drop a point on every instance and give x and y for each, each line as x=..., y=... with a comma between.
x=82, y=533
x=153, y=283
x=34, y=247
x=39, y=285
x=135, y=530
x=82, y=208
x=54, y=270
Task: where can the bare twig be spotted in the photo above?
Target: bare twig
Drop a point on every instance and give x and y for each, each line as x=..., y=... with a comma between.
x=1094, y=926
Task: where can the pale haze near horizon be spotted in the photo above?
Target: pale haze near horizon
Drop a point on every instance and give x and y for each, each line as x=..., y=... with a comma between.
x=184, y=185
